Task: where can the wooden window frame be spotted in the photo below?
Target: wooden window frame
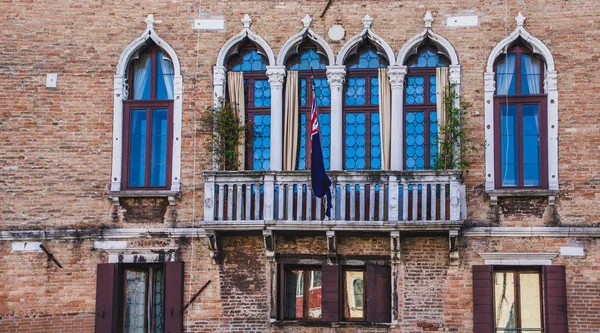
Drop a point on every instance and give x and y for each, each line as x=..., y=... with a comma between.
x=306, y=270
x=306, y=109
x=149, y=284
x=519, y=100
x=345, y=305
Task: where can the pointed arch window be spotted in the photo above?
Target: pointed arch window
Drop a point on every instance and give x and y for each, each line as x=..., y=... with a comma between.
x=361, y=119
x=521, y=120
x=256, y=104
x=420, y=107
x=148, y=120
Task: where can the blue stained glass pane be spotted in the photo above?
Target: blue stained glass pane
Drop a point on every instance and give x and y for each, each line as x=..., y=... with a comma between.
x=375, y=142
x=415, y=90
x=164, y=77
x=322, y=92
x=367, y=58
x=432, y=97
x=262, y=93
x=261, y=142
x=414, y=141
x=374, y=91
x=531, y=145
x=510, y=169
x=433, y=138
x=158, y=159
x=506, y=76
x=307, y=59
x=428, y=58
x=356, y=91
x=355, y=141
x=325, y=129
x=137, y=148
x=249, y=61
x=303, y=92
x=302, y=143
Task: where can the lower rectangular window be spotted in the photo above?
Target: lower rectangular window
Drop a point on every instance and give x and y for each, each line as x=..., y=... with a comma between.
x=354, y=295
x=517, y=301
x=144, y=300
x=303, y=294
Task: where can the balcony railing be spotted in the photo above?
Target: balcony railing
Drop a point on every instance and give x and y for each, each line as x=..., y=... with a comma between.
x=359, y=196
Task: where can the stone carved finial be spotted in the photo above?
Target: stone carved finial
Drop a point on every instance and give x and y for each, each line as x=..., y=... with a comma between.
x=367, y=21
x=520, y=19
x=150, y=21
x=307, y=20
x=428, y=19
x=247, y=21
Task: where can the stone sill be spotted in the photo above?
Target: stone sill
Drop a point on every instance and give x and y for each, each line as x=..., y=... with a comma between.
x=307, y=323
x=362, y=226
x=504, y=193
x=114, y=197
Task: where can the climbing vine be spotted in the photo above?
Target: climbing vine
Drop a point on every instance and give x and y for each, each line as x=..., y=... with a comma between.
x=226, y=132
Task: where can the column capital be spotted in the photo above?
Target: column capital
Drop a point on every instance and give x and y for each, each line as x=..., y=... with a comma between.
x=396, y=75
x=489, y=82
x=336, y=75
x=219, y=75
x=454, y=72
x=276, y=75
x=551, y=81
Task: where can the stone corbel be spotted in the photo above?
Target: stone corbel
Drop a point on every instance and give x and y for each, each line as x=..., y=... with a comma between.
x=396, y=254
x=213, y=245
x=269, y=242
x=453, y=247
x=331, y=246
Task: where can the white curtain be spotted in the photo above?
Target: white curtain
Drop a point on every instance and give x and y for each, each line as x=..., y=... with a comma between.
x=168, y=74
x=532, y=69
x=385, y=117
x=291, y=120
x=235, y=85
x=505, y=70
x=442, y=89
x=141, y=70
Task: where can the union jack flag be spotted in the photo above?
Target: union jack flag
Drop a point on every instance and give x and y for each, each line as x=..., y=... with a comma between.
x=319, y=179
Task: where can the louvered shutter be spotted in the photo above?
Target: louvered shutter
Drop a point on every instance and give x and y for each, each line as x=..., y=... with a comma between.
x=483, y=300
x=555, y=299
x=379, y=294
x=106, y=298
x=331, y=293
x=173, y=297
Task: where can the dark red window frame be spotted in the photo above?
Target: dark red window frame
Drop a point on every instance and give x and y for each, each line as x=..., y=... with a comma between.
x=305, y=290
x=305, y=110
x=345, y=304
x=517, y=271
x=426, y=108
x=519, y=100
x=251, y=111
x=366, y=108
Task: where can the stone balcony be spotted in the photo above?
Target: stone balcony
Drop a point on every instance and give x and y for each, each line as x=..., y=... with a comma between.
x=362, y=201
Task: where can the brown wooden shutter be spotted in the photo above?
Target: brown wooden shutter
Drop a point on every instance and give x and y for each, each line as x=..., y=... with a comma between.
x=173, y=297
x=281, y=292
x=483, y=299
x=379, y=294
x=106, y=298
x=555, y=299
x=331, y=293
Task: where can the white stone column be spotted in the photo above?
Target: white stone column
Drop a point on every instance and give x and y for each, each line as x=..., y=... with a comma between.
x=276, y=75
x=551, y=86
x=219, y=80
x=397, y=74
x=336, y=76
x=454, y=77
x=119, y=90
x=177, y=123
x=489, y=88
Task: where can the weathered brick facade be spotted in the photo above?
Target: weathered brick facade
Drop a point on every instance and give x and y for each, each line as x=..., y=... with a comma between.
x=56, y=159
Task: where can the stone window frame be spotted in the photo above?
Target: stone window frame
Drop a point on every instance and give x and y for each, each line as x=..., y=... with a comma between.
x=120, y=94
x=550, y=89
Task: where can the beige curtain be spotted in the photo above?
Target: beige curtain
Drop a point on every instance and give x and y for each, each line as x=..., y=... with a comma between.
x=290, y=127
x=235, y=89
x=385, y=118
x=442, y=89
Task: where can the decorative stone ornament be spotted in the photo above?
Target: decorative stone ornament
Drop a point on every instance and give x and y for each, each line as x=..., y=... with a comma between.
x=428, y=19
x=367, y=21
x=247, y=21
x=307, y=20
x=520, y=19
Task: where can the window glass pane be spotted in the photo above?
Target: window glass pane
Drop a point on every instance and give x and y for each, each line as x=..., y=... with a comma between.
x=531, y=145
x=262, y=93
x=164, y=77
x=302, y=143
x=529, y=295
x=159, y=296
x=427, y=57
x=137, y=148
x=432, y=87
x=303, y=91
x=307, y=59
x=249, y=61
x=530, y=74
x=315, y=295
x=508, y=119
x=355, y=141
x=375, y=142
x=135, y=301
x=354, y=294
x=322, y=92
x=415, y=140
x=505, y=75
x=325, y=129
x=294, y=300
x=261, y=142
x=415, y=90
x=374, y=91
x=142, y=71
x=504, y=301
x=356, y=91
x=367, y=57
x=433, y=138
x=158, y=167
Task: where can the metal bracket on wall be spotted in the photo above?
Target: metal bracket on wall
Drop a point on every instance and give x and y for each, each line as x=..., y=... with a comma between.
x=50, y=255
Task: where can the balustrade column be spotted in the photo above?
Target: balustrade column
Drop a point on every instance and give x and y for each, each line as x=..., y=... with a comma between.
x=276, y=75
x=397, y=74
x=336, y=76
